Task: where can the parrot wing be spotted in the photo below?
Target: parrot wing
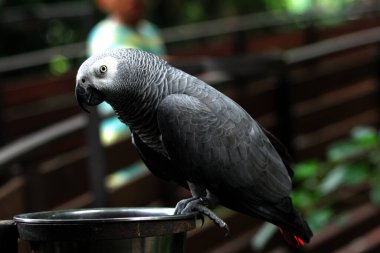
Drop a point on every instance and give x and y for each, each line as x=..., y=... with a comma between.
x=281, y=150
x=157, y=163
x=219, y=146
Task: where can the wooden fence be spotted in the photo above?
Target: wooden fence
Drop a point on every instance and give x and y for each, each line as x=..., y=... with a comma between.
x=308, y=96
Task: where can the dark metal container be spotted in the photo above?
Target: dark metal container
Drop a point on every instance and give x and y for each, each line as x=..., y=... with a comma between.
x=105, y=230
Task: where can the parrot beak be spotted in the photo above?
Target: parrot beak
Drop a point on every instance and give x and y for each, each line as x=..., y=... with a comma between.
x=88, y=97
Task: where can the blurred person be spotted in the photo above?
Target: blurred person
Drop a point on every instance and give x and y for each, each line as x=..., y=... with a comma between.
x=124, y=26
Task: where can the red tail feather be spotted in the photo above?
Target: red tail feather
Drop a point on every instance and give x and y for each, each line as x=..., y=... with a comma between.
x=292, y=239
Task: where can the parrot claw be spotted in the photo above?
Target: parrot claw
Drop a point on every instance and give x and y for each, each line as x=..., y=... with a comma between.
x=181, y=205
x=202, y=218
x=199, y=204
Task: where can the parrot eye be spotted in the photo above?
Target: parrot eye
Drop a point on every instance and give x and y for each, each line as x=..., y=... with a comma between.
x=103, y=69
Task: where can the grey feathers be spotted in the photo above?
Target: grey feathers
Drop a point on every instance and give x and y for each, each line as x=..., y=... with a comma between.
x=187, y=131
x=210, y=138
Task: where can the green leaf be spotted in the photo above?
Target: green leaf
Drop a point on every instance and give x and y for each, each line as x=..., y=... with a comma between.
x=339, y=151
x=303, y=199
x=59, y=65
x=333, y=179
x=364, y=135
x=357, y=173
x=362, y=138
x=319, y=218
x=298, y=7
x=374, y=158
x=306, y=170
x=375, y=194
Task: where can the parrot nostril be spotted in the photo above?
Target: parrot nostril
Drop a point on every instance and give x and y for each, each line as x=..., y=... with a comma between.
x=83, y=80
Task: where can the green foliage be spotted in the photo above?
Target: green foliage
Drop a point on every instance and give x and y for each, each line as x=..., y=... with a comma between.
x=362, y=138
x=194, y=11
x=302, y=7
x=350, y=162
x=333, y=180
x=304, y=198
x=375, y=194
x=306, y=170
x=319, y=218
x=189, y=11
x=59, y=65
x=59, y=33
x=299, y=9
x=299, y=6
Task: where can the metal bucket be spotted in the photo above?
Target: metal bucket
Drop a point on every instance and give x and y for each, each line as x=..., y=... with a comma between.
x=105, y=230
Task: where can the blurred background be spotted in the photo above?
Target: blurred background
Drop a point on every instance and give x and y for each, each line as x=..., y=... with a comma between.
x=307, y=70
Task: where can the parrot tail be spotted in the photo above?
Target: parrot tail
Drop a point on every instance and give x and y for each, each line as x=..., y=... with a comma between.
x=297, y=234
x=291, y=239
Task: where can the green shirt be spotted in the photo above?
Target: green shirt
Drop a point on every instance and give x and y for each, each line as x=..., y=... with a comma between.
x=110, y=34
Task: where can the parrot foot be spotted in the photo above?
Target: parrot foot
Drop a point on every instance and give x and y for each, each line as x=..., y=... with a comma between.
x=200, y=204
x=181, y=205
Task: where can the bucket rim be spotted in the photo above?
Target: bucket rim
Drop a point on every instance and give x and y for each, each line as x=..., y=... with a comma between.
x=91, y=224
x=102, y=215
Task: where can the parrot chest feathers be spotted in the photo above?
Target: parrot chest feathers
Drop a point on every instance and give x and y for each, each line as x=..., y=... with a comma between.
x=140, y=112
x=152, y=141
x=142, y=120
x=146, y=128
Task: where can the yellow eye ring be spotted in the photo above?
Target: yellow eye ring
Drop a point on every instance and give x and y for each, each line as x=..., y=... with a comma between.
x=103, y=69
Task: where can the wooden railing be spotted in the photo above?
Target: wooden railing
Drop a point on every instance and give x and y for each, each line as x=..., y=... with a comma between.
x=284, y=68
x=234, y=27
x=307, y=96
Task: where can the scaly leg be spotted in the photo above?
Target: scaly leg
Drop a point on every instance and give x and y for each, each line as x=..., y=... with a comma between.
x=201, y=201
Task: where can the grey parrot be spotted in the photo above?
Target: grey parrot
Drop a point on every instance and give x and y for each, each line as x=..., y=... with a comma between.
x=188, y=132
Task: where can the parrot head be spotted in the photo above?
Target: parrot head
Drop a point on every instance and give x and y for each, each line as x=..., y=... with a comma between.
x=96, y=80
x=112, y=75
